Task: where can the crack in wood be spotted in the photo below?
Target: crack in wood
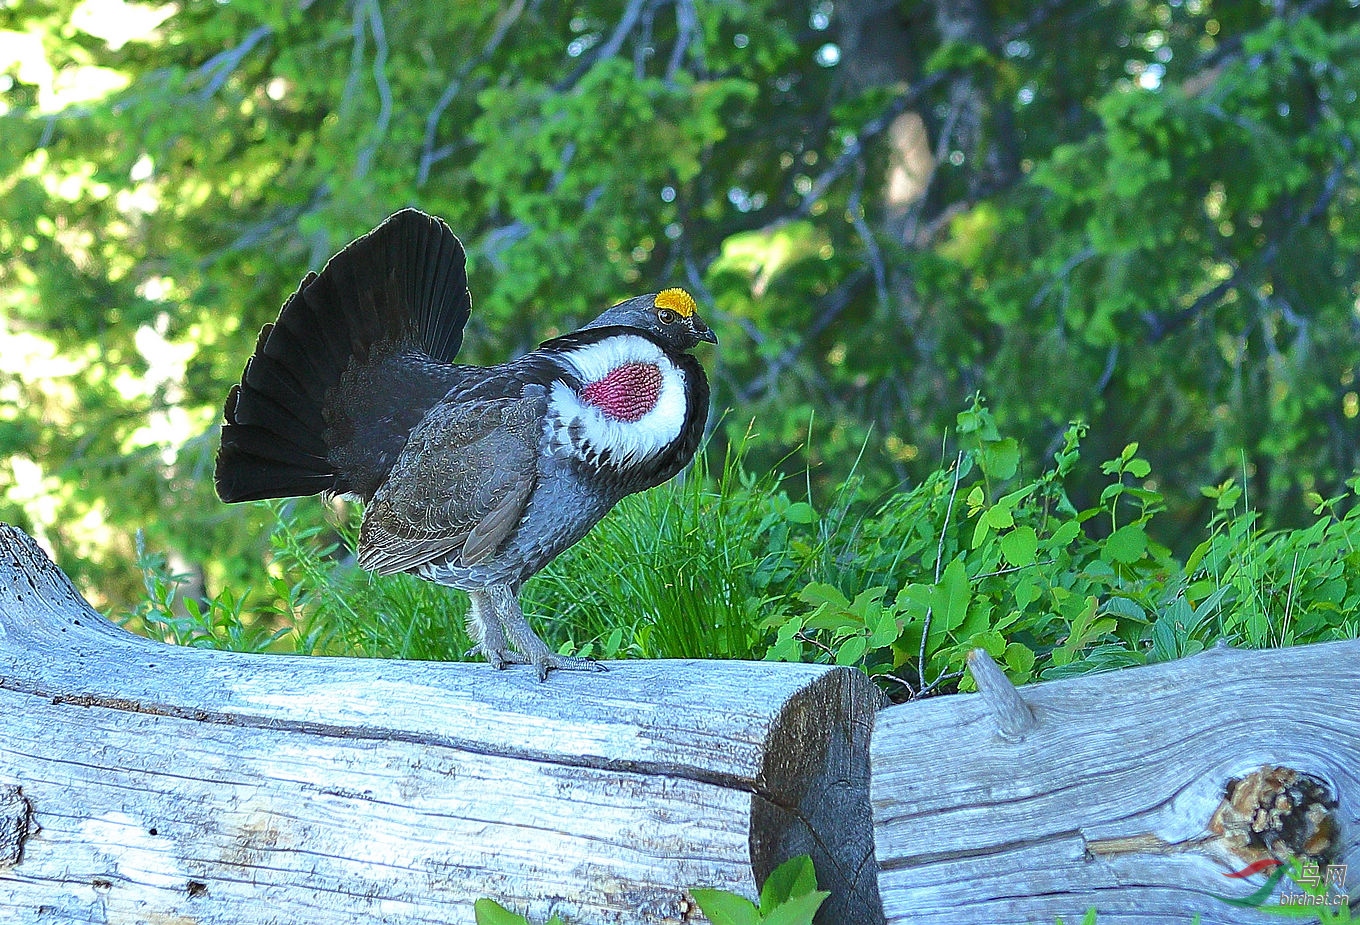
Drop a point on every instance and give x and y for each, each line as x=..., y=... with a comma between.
x=904, y=862
x=366, y=733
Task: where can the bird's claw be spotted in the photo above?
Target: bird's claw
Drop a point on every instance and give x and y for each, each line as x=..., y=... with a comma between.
x=498, y=658
x=544, y=661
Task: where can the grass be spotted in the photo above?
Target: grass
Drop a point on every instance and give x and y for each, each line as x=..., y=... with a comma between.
x=725, y=563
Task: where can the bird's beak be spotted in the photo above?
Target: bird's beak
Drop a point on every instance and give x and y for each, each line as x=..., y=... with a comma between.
x=702, y=331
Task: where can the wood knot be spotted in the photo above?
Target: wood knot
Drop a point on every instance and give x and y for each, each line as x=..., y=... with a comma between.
x=1277, y=812
x=16, y=824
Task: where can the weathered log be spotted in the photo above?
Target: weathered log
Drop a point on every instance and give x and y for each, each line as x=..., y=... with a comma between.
x=141, y=782
x=1132, y=792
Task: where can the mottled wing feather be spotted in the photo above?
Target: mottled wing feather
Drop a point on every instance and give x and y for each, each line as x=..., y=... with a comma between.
x=459, y=488
x=486, y=537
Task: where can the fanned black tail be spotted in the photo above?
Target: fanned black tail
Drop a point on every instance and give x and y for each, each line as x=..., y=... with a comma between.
x=356, y=357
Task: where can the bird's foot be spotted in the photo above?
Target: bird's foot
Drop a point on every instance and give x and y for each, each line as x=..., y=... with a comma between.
x=544, y=661
x=551, y=661
x=498, y=657
x=503, y=637
x=535, y=651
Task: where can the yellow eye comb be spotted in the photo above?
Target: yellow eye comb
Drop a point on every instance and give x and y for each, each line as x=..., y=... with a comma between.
x=677, y=300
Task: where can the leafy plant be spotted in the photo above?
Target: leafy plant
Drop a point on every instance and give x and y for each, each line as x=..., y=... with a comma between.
x=1144, y=221
x=985, y=552
x=979, y=555
x=217, y=622
x=788, y=897
x=490, y=912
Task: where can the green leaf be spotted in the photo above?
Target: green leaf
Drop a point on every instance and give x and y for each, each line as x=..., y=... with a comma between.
x=490, y=912
x=999, y=517
x=949, y=601
x=886, y=630
x=981, y=530
x=724, y=908
x=1001, y=459
x=1067, y=531
x=975, y=500
x=800, y=512
x=911, y=602
x=1007, y=620
x=1020, y=545
x=1026, y=593
x=795, y=877
x=1129, y=610
x=866, y=604
x=1165, y=644
x=851, y=651
x=1126, y=545
x=818, y=592
x=992, y=641
x=797, y=911
x=1020, y=661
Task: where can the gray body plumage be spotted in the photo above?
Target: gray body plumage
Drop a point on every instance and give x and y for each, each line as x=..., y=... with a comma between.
x=473, y=477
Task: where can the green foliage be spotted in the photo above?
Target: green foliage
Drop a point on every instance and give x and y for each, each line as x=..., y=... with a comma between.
x=1090, y=918
x=1136, y=215
x=979, y=557
x=490, y=912
x=788, y=897
x=723, y=563
x=684, y=571
x=218, y=622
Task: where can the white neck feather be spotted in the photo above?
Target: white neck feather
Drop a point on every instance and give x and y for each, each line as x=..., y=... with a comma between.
x=577, y=428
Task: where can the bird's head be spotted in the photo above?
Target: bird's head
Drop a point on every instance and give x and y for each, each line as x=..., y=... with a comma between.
x=669, y=314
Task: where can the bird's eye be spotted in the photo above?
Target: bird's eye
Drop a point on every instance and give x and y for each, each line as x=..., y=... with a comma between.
x=666, y=316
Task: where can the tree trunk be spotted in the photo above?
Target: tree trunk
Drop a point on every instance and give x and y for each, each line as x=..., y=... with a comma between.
x=141, y=782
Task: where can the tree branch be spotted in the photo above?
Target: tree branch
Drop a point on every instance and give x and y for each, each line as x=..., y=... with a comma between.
x=220, y=66
x=687, y=25
x=609, y=49
x=429, y=156
x=1160, y=328
x=833, y=304
x=854, y=146
x=356, y=61
x=375, y=24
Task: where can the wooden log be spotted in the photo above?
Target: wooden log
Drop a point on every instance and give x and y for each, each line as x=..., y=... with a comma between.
x=1131, y=792
x=141, y=782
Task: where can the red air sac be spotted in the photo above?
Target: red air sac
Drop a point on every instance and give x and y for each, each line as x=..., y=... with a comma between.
x=627, y=392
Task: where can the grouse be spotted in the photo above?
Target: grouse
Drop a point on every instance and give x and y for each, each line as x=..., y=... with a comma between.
x=472, y=477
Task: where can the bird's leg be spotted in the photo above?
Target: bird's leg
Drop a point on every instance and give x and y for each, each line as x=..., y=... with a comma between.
x=504, y=601
x=488, y=637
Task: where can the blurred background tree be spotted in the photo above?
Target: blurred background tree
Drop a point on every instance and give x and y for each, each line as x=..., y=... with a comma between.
x=1138, y=214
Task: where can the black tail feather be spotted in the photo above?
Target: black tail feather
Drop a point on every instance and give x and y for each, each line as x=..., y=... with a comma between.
x=337, y=382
